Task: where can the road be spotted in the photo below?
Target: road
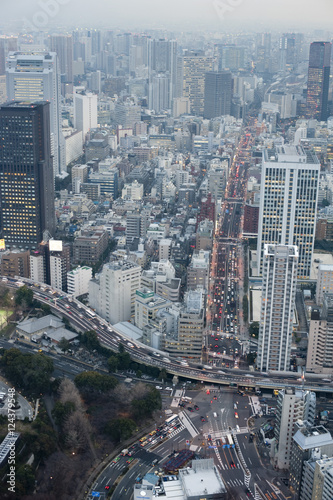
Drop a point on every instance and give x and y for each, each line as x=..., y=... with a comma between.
x=83, y=318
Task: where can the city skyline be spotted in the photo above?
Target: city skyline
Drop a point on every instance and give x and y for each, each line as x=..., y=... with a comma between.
x=212, y=14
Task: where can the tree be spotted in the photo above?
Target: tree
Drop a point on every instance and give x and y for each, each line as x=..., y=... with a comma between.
x=24, y=297
x=124, y=360
x=90, y=340
x=251, y=357
x=163, y=374
x=113, y=364
x=120, y=429
x=254, y=329
x=64, y=344
x=95, y=382
x=29, y=371
x=61, y=411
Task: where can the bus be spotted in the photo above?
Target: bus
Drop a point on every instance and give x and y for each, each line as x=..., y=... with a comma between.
x=171, y=419
x=91, y=313
x=230, y=441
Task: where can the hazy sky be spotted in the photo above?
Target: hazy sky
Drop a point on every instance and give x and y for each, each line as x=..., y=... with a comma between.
x=168, y=13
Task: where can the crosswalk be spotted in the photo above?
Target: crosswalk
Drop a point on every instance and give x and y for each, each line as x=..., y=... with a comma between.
x=188, y=424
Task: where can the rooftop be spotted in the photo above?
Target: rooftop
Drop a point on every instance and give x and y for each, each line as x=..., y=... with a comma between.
x=202, y=480
x=313, y=437
x=34, y=325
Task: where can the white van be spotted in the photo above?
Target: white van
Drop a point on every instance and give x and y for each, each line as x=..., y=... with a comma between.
x=215, y=414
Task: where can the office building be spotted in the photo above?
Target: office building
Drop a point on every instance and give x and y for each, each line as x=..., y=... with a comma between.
x=309, y=442
x=292, y=405
x=287, y=52
x=218, y=92
x=26, y=174
x=162, y=59
x=195, y=66
x=108, y=182
x=135, y=226
x=37, y=267
x=320, y=344
x=78, y=281
x=277, y=307
x=230, y=57
x=62, y=45
x=147, y=305
x=164, y=249
x=36, y=77
x=324, y=282
x=317, y=479
x=133, y=191
x=112, y=293
x=207, y=210
x=90, y=245
x=318, y=80
x=15, y=263
x=127, y=114
x=198, y=270
x=161, y=279
x=263, y=52
x=204, y=235
x=191, y=324
x=85, y=111
x=60, y=264
x=288, y=202
x=159, y=93
x=7, y=44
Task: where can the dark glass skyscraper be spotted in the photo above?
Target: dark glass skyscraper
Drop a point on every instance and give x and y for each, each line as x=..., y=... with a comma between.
x=217, y=94
x=318, y=80
x=26, y=174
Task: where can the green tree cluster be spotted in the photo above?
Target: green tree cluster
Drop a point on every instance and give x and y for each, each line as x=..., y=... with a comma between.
x=254, y=329
x=145, y=406
x=95, y=382
x=120, y=429
x=28, y=371
x=24, y=297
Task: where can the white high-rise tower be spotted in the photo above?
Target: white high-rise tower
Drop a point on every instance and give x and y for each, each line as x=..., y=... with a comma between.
x=288, y=202
x=35, y=76
x=277, y=307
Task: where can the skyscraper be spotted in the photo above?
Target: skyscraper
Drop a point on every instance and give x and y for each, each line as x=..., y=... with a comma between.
x=287, y=52
x=112, y=293
x=292, y=405
x=36, y=77
x=159, y=92
x=217, y=94
x=318, y=80
x=26, y=174
x=62, y=45
x=277, y=307
x=288, y=202
x=195, y=66
x=162, y=59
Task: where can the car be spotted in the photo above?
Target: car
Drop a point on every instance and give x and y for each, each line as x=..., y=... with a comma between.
x=232, y=464
x=203, y=419
x=107, y=487
x=248, y=492
x=215, y=397
x=236, y=414
x=115, y=460
x=196, y=407
x=129, y=460
x=190, y=408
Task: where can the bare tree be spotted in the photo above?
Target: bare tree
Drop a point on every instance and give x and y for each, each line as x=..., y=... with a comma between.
x=68, y=392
